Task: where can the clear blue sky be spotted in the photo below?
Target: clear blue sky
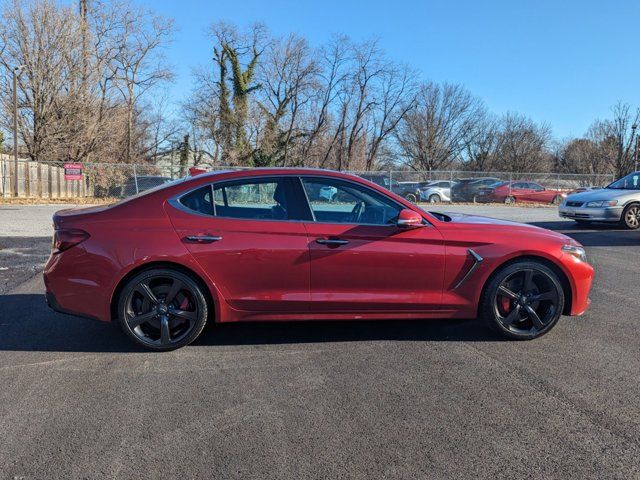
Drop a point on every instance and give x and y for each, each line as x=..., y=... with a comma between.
x=561, y=62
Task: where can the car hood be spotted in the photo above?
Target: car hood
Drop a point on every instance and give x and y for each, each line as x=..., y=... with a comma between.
x=602, y=194
x=479, y=222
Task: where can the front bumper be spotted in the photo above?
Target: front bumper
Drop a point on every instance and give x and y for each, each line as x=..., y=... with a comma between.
x=608, y=214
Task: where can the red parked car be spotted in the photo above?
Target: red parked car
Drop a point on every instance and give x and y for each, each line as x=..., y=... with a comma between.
x=267, y=245
x=519, y=191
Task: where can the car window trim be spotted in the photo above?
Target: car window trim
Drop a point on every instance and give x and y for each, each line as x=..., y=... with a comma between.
x=402, y=207
x=175, y=200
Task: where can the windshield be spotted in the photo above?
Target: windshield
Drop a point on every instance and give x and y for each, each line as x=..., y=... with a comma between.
x=630, y=182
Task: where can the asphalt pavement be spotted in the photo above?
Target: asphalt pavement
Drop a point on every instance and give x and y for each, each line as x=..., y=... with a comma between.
x=365, y=400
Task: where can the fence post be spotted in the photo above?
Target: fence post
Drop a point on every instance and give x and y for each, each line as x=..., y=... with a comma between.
x=27, y=178
x=135, y=178
x=49, y=181
x=39, y=179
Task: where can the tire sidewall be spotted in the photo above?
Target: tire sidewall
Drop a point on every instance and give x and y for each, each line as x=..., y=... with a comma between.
x=434, y=198
x=624, y=216
x=203, y=306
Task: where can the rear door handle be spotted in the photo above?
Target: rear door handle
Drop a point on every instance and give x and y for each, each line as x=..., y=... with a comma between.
x=203, y=238
x=331, y=241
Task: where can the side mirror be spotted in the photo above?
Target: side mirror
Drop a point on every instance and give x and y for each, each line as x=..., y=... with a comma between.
x=409, y=219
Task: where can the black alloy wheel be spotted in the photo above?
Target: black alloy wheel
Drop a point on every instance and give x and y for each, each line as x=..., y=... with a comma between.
x=523, y=300
x=162, y=309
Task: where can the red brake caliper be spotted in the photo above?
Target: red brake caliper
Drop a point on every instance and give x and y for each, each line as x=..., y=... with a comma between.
x=506, y=304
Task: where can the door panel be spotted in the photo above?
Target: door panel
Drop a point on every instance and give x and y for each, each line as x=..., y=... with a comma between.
x=360, y=261
x=258, y=265
x=380, y=268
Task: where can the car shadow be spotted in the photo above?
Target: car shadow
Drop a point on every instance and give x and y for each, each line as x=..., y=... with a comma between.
x=595, y=234
x=27, y=324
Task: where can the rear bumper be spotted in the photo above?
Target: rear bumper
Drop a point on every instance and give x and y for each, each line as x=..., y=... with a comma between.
x=76, y=286
x=53, y=304
x=610, y=214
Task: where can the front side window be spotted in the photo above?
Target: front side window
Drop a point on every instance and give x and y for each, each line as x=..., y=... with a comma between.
x=337, y=201
x=260, y=199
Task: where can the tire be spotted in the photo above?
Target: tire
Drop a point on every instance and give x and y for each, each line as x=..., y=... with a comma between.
x=557, y=200
x=411, y=197
x=509, y=315
x=631, y=216
x=150, y=321
x=434, y=198
x=509, y=199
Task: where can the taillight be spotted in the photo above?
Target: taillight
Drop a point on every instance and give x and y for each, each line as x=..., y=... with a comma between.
x=65, y=239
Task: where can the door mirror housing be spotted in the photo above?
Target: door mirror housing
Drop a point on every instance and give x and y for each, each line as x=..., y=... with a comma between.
x=409, y=219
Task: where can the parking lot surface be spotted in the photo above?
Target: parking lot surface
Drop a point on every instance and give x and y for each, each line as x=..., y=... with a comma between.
x=394, y=399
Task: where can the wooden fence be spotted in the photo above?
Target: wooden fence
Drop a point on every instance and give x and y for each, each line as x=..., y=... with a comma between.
x=41, y=180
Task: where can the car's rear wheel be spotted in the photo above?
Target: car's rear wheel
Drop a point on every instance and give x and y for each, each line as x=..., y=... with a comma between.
x=411, y=197
x=523, y=300
x=434, y=198
x=162, y=309
x=557, y=200
x=631, y=216
x=509, y=199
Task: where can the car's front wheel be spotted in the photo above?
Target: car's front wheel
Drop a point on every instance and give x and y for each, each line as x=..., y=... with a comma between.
x=434, y=198
x=522, y=300
x=162, y=309
x=631, y=216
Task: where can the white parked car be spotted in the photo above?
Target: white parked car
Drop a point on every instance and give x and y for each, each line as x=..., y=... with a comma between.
x=616, y=203
x=437, y=191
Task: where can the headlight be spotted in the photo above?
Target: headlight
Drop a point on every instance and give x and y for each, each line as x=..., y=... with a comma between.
x=605, y=203
x=577, y=252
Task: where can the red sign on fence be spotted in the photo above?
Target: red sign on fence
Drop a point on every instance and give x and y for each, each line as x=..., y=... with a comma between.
x=73, y=171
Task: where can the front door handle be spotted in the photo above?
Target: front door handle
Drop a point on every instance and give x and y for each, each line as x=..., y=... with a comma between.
x=331, y=241
x=203, y=238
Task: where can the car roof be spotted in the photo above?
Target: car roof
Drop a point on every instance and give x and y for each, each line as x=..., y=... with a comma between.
x=274, y=171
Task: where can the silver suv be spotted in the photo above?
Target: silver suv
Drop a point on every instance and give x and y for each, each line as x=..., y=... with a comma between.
x=618, y=202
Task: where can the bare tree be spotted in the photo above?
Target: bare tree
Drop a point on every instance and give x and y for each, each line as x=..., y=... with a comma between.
x=287, y=76
x=41, y=37
x=138, y=65
x=522, y=145
x=436, y=132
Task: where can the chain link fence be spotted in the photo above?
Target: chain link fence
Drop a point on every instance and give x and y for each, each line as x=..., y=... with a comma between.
x=115, y=180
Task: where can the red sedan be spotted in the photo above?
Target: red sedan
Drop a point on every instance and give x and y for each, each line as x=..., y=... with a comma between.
x=264, y=245
x=519, y=191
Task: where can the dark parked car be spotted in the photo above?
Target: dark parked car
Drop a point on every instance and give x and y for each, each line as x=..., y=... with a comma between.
x=408, y=190
x=144, y=182
x=466, y=189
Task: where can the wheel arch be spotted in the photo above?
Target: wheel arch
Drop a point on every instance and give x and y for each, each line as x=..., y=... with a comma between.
x=169, y=265
x=562, y=276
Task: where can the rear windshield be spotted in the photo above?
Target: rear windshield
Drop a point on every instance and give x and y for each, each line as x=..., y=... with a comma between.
x=151, y=190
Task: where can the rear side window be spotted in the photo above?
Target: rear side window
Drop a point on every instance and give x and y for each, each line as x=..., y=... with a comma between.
x=199, y=200
x=260, y=199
